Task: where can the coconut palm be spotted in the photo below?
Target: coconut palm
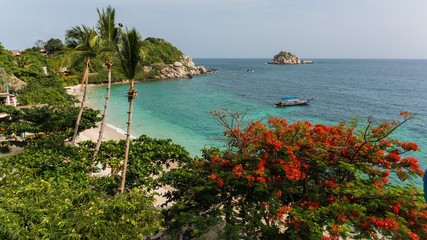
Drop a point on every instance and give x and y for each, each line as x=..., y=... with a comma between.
x=109, y=36
x=87, y=40
x=129, y=49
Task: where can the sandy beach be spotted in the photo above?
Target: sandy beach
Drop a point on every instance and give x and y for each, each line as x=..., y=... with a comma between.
x=110, y=133
x=92, y=134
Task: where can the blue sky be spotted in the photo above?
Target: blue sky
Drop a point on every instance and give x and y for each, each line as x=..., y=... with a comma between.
x=238, y=28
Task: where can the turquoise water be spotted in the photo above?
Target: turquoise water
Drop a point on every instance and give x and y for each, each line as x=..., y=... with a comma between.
x=342, y=90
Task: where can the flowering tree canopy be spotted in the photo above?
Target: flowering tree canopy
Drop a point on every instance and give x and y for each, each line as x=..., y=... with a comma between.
x=303, y=181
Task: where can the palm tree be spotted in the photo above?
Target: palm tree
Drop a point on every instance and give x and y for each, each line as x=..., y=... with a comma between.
x=87, y=41
x=109, y=36
x=129, y=49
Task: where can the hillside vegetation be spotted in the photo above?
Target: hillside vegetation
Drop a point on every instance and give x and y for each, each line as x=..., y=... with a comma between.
x=47, y=87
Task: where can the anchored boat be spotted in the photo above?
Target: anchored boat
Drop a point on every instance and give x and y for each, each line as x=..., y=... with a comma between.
x=292, y=101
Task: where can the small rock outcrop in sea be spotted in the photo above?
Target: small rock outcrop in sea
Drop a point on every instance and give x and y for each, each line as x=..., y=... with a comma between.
x=284, y=57
x=185, y=68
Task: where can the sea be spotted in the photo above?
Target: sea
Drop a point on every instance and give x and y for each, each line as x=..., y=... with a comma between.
x=340, y=89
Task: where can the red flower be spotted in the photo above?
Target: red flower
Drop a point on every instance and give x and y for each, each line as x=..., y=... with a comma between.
x=237, y=170
x=331, y=199
x=413, y=235
x=310, y=204
x=336, y=229
x=396, y=208
x=283, y=210
x=385, y=223
x=412, y=163
x=404, y=113
x=342, y=218
x=409, y=146
x=215, y=159
x=330, y=184
x=213, y=176
x=393, y=157
x=219, y=182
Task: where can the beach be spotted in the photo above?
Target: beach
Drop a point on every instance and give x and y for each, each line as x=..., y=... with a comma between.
x=110, y=133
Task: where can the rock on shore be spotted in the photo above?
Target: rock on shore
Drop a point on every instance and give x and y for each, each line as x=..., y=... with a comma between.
x=185, y=68
x=284, y=57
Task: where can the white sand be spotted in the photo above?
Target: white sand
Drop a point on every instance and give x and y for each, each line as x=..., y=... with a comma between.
x=110, y=133
x=92, y=134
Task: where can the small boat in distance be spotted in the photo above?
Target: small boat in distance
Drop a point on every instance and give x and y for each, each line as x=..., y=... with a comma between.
x=292, y=101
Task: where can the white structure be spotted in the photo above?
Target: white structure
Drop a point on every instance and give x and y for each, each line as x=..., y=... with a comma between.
x=5, y=97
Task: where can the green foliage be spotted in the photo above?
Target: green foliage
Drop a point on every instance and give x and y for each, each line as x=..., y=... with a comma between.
x=44, y=96
x=41, y=88
x=44, y=90
x=54, y=45
x=8, y=109
x=285, y=54
x=30, y=65
x=57, y=199
x=6, y=59
x=147, y=158
x=129, y=52
x=49, y=120
x=4, y=147
x=157, y=50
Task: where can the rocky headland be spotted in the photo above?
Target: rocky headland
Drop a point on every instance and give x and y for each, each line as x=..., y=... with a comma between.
x=185, y=68
x=284, y=57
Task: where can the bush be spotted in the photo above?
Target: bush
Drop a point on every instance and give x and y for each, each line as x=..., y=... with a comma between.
x=5, y=147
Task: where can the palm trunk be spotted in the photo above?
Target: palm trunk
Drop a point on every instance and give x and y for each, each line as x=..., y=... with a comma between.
x=79, y=116
x=104, y=113
x=131, y=96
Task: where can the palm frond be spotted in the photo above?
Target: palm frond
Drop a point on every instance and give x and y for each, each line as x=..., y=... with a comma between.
x=88, y=42
x=129, y=48
x=107, y=26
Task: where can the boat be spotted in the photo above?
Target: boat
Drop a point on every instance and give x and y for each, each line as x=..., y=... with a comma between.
x=291, y=101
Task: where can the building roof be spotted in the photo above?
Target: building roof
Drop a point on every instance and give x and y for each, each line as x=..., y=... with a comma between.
x=15, y=52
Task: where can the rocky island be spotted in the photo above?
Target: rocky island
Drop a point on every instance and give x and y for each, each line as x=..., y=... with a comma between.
x=284, y=57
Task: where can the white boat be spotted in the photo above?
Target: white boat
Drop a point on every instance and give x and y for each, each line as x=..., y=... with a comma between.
x=291, y=101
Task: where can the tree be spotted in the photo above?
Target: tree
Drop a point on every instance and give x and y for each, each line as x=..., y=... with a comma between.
x=40, y=44
x=46, y=193
x=86, y=50
x=130, y=47
x=109, y=36
x=279, y=180
x=54, y=45
x=47, y=120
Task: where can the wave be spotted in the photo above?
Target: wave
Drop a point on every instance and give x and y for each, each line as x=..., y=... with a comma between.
x=119, y=130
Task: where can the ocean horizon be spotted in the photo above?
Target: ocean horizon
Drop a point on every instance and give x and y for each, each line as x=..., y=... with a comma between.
x=342, y=90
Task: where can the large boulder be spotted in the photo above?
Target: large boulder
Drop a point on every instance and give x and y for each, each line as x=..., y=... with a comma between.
x=185, y=68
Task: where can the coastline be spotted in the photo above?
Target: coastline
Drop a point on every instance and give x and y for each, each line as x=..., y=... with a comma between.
x=110, y=132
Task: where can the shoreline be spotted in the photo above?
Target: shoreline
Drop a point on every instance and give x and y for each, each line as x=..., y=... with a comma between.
x=110, y=131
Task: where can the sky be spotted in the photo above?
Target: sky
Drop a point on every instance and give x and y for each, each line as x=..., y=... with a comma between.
x=238, y=28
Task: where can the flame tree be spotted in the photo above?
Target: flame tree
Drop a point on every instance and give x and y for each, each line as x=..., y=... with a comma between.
x=301, y=181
